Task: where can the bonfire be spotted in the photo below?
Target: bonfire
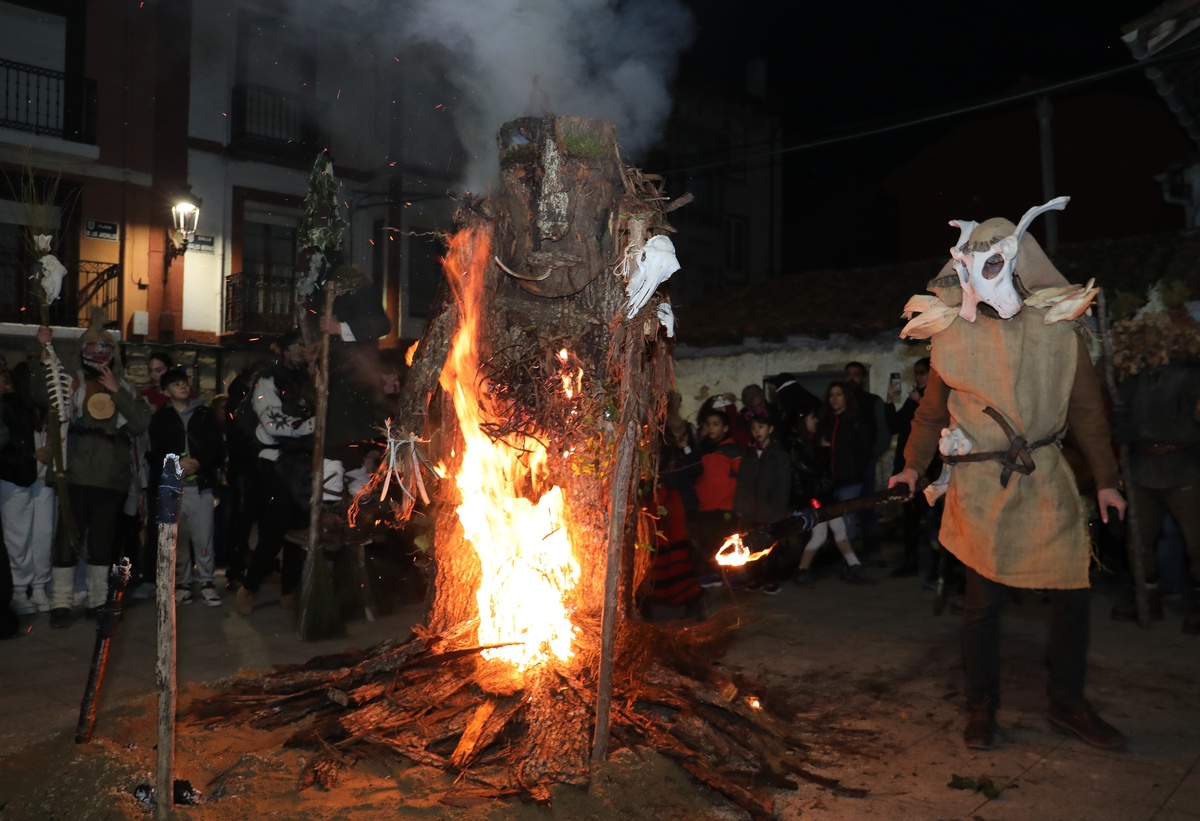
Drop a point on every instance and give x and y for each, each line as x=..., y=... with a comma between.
x=539, y=393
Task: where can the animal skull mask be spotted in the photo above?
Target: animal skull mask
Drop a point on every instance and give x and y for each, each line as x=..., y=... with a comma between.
x=985, y=263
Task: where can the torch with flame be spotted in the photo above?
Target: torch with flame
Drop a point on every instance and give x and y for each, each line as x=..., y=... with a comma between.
x=742, y=548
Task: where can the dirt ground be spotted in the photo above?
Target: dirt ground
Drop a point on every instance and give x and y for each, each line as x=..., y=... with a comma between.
x=878, y=681
x=246, y=775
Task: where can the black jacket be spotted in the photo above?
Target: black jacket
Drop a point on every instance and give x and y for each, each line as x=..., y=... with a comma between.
x=17, y=462
x=202, y=441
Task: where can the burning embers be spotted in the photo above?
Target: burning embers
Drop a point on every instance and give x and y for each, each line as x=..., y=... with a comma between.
x=528, y=569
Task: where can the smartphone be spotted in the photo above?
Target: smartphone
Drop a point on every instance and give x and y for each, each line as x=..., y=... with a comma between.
x=894, y=382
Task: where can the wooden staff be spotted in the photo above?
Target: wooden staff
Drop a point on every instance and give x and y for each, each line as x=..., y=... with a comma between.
x=1133, y=537
x=170, y=493
x=314, y=562
x=627, y=440
x=106, y=625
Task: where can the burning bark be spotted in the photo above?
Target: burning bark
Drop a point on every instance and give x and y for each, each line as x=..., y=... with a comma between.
x=548, y=390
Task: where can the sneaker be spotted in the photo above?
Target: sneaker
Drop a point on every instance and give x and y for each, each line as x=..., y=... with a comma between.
x=711, y=580
x=209, y=593
x=22, y=605
x=753, y=587
x=856, y=574
x=770, y=588
x=40, y=600
x=804, y=578
x=144, y=590
x=183, y=595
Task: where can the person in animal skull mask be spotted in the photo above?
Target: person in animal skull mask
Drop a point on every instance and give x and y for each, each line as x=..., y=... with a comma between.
x=1009, y=373
x=105, y=413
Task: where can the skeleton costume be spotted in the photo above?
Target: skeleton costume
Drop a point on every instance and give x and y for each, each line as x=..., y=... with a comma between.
x=1009, y=374
x=99, y=462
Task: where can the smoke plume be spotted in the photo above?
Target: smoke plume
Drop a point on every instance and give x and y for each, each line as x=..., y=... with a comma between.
x=480, y=63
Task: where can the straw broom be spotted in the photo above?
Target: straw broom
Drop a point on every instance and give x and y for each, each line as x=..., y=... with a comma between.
x=320, y=614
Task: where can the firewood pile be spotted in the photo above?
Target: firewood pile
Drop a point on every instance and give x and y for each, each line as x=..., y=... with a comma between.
x=437, y=704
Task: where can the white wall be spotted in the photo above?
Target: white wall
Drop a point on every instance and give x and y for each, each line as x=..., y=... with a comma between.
x=703, y=372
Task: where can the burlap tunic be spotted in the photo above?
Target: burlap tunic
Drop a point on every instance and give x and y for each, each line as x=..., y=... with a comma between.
x=1032, y=533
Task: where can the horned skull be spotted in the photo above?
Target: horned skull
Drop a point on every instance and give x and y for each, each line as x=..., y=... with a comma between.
x=985, y=264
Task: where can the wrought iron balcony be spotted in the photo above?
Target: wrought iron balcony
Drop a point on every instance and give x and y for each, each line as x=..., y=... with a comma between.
x=43, y=101
x=259, y=304
x=269, y=124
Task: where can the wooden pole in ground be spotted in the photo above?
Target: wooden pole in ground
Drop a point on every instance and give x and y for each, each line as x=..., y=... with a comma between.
x=626, y=448
x=170, y=493
x=1133, y=538
x=314, y=563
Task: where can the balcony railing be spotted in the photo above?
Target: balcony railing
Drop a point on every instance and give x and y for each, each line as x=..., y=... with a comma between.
x=273, y=125
x=259, y=304
x=43, y=101
x=87, y=283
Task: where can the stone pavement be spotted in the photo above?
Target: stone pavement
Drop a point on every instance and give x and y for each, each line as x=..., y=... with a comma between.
x=873, y=659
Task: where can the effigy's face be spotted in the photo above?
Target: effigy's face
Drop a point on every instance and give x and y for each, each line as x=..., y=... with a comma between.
x=986, y=275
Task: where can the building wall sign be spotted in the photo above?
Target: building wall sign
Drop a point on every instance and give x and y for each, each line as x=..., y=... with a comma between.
x=202, y=243
x=97, y=229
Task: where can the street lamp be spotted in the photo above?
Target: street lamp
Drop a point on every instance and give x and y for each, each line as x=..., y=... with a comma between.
x=185, y=215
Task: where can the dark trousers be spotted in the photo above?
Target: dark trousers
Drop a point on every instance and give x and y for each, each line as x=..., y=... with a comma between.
x=1153, y=504
x=712, y=528
x=94, y=510
x=244, y=500
x=279, y=514
x=1066, y=646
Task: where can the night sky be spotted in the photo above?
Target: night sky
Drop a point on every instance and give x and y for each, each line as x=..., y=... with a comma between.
x=836, y=69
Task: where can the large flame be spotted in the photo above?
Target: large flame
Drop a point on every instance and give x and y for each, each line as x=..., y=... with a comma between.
x=529, y=571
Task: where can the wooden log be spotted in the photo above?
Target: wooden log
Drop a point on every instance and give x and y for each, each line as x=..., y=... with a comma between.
x=760, y=807
x=465, y=750
x=828, y=783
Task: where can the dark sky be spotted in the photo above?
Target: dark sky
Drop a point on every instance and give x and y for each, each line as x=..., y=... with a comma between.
x=835, y=69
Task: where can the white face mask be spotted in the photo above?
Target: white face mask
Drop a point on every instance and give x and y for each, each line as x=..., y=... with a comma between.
x=986, y=275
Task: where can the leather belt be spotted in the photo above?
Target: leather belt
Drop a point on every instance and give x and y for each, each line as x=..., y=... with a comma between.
x=1019, y=456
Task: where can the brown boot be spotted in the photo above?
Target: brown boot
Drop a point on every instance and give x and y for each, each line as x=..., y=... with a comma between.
x=1128, y=611
x=244, y=603
x=980, y=732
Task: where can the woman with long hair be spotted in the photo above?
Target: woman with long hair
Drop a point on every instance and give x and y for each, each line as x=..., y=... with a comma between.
x=840, y=447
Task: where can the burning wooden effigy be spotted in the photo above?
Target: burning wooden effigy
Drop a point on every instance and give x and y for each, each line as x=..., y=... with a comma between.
x=539, y=393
